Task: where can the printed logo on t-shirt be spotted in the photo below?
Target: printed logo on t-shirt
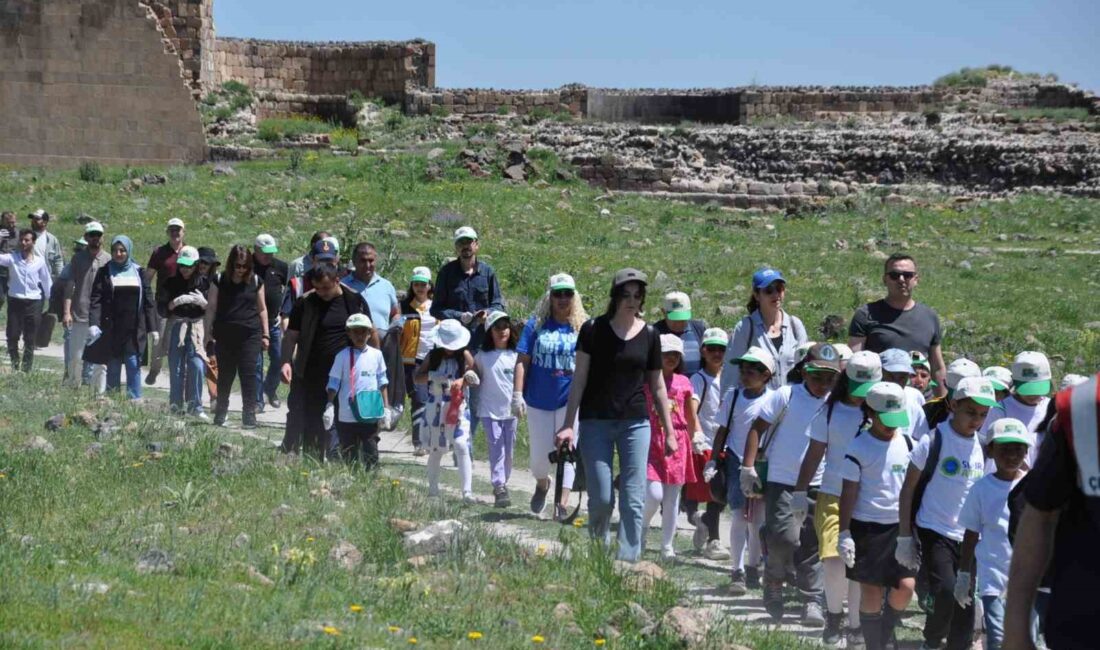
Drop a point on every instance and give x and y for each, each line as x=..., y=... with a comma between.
x=555, y=351
x=899, y=468
x=952, y=467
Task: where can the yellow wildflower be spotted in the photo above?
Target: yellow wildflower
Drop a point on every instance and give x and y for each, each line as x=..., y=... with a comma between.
x=356, y=608
x=600, y=642
x=310, y=540
x=305, y=473
x=578, y=522
x=473, y=636
x=394, y=629
x=412, y=640
x=537, y=639
x=395, y=482
x=331, y=631
x=540, y=550
x=136, y=465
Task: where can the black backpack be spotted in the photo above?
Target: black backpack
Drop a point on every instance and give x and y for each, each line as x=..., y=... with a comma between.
x=927, y=473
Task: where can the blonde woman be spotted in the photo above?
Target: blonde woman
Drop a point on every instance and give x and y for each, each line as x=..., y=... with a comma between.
x=544, y=372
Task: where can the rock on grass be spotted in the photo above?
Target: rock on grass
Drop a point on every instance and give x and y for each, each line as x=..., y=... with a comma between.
x=346, y=555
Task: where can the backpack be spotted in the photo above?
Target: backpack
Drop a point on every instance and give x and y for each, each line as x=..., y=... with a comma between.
x=718, y=483
x=365, y=405
x=927, y=473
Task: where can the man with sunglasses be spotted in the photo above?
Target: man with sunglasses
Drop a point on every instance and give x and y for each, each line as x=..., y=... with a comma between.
x=899, y=321
x=46, y=244
x=75, y=305
x=162, y=264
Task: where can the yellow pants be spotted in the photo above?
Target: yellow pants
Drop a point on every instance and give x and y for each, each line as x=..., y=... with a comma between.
x=827, y=525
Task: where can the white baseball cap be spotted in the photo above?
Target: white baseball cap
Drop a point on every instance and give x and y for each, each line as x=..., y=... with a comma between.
x=844, y=351
x=175, y=223
x=188, y=256
x=266, y=244
x=1071, y=380
x=562, y=281
x=888, y=400
x=335, y=243
x=493, y=317
x=864, y=370
x=421, y=274
x=1000, y=376
x=758, y=355
x=716, y=336
x=979, y=389
x=465, y=232
x=93, y=227
x=672, y=343
x=677, y=306
x=1031, y=373
x=959, y=369
x=451, y=335
x=1009, y=430
x=896, y=360
x=358, y=320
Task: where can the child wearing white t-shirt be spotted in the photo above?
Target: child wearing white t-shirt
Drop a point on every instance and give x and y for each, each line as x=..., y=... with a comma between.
x=985, y=516
x=495, y=364
x=706, y=392
x=357, y=367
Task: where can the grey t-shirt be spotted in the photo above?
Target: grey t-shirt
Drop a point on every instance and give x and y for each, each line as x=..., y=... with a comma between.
x=885, y=327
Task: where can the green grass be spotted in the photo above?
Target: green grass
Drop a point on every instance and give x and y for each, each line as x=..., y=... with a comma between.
x=979, y=77
x=274, y=129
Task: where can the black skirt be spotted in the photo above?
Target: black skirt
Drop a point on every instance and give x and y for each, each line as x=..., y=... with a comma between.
x=876, y=545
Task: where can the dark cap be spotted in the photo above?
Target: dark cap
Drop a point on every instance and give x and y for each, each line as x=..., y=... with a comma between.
x=207, y=255
x=823, y=357
x=324, y=251
x=622, y=276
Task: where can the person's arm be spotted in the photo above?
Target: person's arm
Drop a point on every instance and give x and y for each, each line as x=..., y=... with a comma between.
x=1031, y=555
x=905, y=501
x=856, y=343
x=692, y=416
x=150, y=308
x=731, y=371
x=966, y=551
x=810, y=462
x=265, y=332
x=286, y=354
x=211, y=310
x=523, y=363
x=420, y=375
x=752, y=441
x=95, y=301
x=939, y=370
x=857, y=329
x=45, y=282
x=442, y=297
x=56, y=257
x=496, y=298
x=849, y=492
x=576, y=392
x=5, y=259
x=664, y=412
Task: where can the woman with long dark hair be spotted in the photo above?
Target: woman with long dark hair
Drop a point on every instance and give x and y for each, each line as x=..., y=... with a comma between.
x=417, y=330
x=236, y=320
x=767, y=326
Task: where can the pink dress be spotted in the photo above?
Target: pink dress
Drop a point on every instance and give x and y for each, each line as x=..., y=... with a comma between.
x=676, y=469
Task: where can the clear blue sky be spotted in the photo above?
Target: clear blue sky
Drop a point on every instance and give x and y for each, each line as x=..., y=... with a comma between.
x=695, y=43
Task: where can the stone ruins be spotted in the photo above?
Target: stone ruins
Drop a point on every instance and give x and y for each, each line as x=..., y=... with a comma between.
x=119, y=81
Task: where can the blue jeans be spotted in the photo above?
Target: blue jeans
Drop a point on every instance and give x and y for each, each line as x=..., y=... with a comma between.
x=133, y=375
x=597, y=447
x=994, y=621
x=267, y=385
x=186, y=370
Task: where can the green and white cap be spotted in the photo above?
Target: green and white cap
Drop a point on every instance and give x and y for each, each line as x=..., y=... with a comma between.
x=265, y=243
x=888, y=400
x=844, y=351
x=465, y=232
x=920, y=359
x=93, y=227
x=677, y=306
x=493, y=317
x=979, y=389
x=758, y=355
x=864, y=370
x=672, y=343
x=716, y=336
x=357, y=321
x=562, y=281
x=801, y=351
x=1000, y=376
x=1010, y=430
x=421, y=274
x=1031, y=373
x=959, y=369
x=188, y=256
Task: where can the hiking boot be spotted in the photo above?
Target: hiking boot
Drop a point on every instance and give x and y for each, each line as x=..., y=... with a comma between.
x=737, y=583
x=248, y=420
x=501, y=498
x=538, y=499
x=752, y=577
x=831, y=636
x=773, y=601
x=715, y=551
x=699, y=539
x=812, y=616
x=854, y=639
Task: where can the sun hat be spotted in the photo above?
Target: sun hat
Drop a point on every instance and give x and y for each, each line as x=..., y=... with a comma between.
x=324, y=250
x=765, y=276
x=451, y=335
x=465, y=232
x=359, y=321
x=93, y=227
x=421, y=274
x=677, y=306
x=960, y=369
x=266, y=244
x=208, y=255
x=175, y=222
x=672, y=343
x=493, y=317
x=823, y=357
x=716, y=336
x=864, y=370
x=844, y=351
x=919, y=359
x=757, y=355
x=562, y=281
x=1031, y=373
x=622, y=276
x=979, y=389
x=896, y=360
x=888, y=400
x=1000, y=376
x=188, y=256
x=1010, y=430
x=1071, y=380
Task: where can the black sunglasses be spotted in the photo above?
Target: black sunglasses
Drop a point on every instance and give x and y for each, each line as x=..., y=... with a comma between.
x=562, y=293
x=897, y=275
x=714, y=348
x=773, y=288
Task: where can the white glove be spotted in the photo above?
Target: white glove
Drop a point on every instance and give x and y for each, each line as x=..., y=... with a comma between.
x=198, y=299
x=749, y=480
x=962, y=589
x=466, y=317
x=471, y=378
x=846, y=546
x=800, y=506
x=519, y=406
x=328, y=416
x=179, y=300
x=906, y=553
x=390, y=418
x=710, y=470
x=154, y=338
x=93, y=334
x=699, y=442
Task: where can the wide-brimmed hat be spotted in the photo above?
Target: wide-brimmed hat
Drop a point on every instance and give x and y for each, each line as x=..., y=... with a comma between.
x=451, y=335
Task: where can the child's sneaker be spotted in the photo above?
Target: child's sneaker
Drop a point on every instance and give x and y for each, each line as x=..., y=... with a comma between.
x=561, y=513
x=715, y=551
x=667, y=554
x=831, y=636
x=538, y=499
x=468, y=498
x=500, y=497
x=699, y=539
x=752, y=577
x=737, y=583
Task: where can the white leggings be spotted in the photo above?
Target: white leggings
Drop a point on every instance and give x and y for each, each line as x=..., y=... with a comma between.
x=465, y=473
x=667, y=498
x=746, y=533
x=542, y=426
x=837, y=586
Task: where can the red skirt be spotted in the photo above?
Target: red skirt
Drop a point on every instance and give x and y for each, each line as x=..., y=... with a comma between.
x=698, y=490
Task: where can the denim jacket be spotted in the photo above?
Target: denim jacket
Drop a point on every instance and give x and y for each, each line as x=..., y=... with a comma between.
x=457, y=292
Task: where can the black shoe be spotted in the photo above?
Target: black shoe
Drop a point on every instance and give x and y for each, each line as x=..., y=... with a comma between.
x=752, y=577
x=538, y=499
x=854, y=639
x=151, y=378
x=773, y=601
x=501, y=498
x=831, y=636
x=248, y=421
x=219, y=420
x=274, y=401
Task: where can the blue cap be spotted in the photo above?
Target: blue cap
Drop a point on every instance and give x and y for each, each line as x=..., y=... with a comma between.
x=764, y=277
x=324, y=251
x=896, y=360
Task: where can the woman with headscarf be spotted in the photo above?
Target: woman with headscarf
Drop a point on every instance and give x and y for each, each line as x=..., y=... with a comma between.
x=120, y=316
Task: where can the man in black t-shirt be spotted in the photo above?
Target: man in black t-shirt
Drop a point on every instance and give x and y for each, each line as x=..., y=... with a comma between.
x=274, y=275
x=899, y=321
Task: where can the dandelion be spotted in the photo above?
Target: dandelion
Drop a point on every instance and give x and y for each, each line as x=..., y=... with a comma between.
x=310, y=540
x=600, y=642
x=356, y=608
x=305, y=473
x=537, y=639
x=412, y=640
x=578, y=522
x=331, y=631
x=395, y=483
x=394, y=629
x=540, y=550
x=3, y=475
x=474, y=636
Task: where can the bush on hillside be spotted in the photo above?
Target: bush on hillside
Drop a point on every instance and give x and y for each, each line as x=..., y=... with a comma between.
x=979, y=77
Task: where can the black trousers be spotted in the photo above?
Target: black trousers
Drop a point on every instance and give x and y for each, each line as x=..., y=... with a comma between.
x=710, y=516
x=417, y=415
x=305, y=406
x=23, y=318
x=358, y=442
x=237, y=350
x=941, y=556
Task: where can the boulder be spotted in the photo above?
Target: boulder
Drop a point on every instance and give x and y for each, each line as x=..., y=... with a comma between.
x=38, y=443
x=346, y=555
x=155, y=561
x=435, y=538
x=688, y=626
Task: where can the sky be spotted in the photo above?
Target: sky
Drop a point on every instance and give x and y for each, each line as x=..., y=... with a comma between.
x=699, y=43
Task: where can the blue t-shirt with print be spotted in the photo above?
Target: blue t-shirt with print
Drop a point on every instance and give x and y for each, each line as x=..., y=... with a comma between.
x=553, y=352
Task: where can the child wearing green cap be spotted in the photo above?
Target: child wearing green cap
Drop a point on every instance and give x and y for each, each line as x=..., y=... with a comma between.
x=1027, y=401
x=706, y=393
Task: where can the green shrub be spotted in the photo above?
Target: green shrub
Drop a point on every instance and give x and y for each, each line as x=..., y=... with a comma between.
x=393, y=120
x=503, y=110
x=356, y=99
x=90, y=172
x=345, y=140
x=440, y=111
x=236, y=88
x=979, y=77
x=278, y=128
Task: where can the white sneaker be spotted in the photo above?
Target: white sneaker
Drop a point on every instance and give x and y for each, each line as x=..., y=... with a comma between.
x=715, y=551
x=201, y=415
x=699, y=539
x=668, y=554
x=468, y=498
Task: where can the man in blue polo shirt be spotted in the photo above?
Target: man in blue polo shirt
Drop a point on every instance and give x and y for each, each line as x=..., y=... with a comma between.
x=379, y=293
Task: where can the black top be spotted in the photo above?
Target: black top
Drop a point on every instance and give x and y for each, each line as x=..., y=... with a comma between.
x=237, y=303
x=617, y=371
x=885, y=327
x=177, y=286
x=274, y=278
x=330, y=336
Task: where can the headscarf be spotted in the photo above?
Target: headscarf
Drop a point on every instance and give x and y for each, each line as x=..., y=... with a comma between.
x=128, y=265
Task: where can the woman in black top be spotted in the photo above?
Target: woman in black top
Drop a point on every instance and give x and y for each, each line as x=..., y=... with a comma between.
x=236, y=320
x=617, y=354
x=184, y=301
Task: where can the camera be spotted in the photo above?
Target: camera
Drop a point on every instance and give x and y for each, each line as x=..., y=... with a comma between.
x=563, y=455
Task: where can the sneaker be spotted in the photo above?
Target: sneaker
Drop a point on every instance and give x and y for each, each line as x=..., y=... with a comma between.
x=420, y=452
x=752, y=577
x=831, y=636
x=538, y=499
x=259, y=408
x=854, y=639
x=773, y=601
x=248, y=421
x=812, y=616
x=737, y=583
x=667, y=554
x=715, y=551
x=468, y=498
x=501, y=498
x=220, y=420
x=699, y=539
x=560, y=513
x=201, y=415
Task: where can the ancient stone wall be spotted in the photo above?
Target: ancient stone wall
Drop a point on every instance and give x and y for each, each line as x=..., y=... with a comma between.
x=1025, y=94
x=654, y=106
x=189, y=24
x=92, y=80
x=332, y=108
x=808, y=103
x=378, y=69
x=569, y=99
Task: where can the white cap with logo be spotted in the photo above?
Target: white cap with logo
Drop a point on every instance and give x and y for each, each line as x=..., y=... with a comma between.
x=758, y=355
x=265, y=243
x=978, y=389
x=1009, y=430
x=677, y=306
x=465, y=232
x=671, y=343
x=188, y=256
x=887, y=399
x=864, y=370
x=959, y=369
x=421, y=274
x=1031, y=373
x=562, y=281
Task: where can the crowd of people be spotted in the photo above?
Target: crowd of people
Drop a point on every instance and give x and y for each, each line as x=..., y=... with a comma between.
x=861, y=474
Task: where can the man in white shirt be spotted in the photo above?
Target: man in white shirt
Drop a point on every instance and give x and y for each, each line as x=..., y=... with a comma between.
x=29, y=284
